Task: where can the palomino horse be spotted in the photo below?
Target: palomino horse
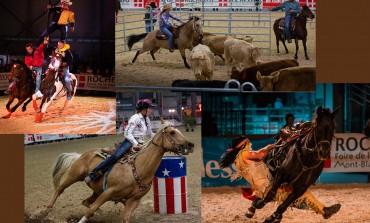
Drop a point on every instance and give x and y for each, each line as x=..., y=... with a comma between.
x=126, y=183
x=299, y=33
x=24, y=88
x=53, y=87
x=184, y=41
x=302, y=163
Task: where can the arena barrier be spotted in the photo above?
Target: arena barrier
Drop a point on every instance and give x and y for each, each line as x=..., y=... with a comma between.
x=349, y=161
x=30, y=139
x=170, y=187
x=85, y=82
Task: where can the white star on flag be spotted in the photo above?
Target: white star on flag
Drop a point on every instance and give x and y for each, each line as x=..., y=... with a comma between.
x=166, y=172
x=181, y=164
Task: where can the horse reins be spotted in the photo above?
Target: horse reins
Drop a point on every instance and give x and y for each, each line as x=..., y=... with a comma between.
x=143, y=186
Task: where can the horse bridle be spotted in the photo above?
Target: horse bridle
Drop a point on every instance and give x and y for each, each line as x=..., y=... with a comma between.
x=177, y=149
x=317, y=147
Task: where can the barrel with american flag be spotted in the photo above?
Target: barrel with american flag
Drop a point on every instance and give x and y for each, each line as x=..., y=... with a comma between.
x=169, y=186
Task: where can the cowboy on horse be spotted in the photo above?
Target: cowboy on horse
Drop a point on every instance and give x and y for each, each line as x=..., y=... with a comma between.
x=34, y=60
x=292, y=8
x=251, y=166
x=165, y=26
x=138, y=126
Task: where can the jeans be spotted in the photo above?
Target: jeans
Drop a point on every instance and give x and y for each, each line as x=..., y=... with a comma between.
x=169, y=34
x=288, y=19
x=38, y=71
x=52, y=28
x=124, y=147
x=67, y=80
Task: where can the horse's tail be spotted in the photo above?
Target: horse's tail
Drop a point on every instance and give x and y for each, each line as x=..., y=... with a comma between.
x=132, y=39
x=229, y=157
x=62, y=166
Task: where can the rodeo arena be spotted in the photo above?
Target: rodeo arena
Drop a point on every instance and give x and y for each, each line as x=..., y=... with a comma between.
x=234, y=36
x=175, y=193
x=86, y=30
x=339, y=194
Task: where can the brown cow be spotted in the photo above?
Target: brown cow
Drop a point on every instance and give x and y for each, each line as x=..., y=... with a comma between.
x=289, y=79
x=240, y=53
x=249, y=74
x=215, y=42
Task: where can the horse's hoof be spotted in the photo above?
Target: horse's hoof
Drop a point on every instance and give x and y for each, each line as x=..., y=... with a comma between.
x=295, y=58
x=23, y=109
x=250, y=213
x=307, y=58
x=155, y=61
x=187, y=66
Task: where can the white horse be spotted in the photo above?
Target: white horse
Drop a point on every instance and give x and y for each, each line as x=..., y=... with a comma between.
x=52, y=87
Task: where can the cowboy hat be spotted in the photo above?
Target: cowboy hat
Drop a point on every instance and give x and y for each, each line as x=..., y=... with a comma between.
x=166, y=6
x=68, y=2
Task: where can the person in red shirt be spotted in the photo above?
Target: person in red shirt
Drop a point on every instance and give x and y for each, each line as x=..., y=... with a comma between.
x=34, y=59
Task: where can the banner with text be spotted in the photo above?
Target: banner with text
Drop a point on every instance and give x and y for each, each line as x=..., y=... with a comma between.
x=350, y=152
x=4, y=83
x=95, y=82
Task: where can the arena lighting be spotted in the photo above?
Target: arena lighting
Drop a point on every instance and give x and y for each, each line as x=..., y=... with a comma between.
x=171, y=110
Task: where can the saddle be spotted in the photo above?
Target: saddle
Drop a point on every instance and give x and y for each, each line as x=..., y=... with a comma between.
x=292, y=24
x=275, y=158
x=174, y=30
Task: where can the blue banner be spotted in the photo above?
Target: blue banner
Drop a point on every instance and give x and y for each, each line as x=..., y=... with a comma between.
x=213, y=148
x=171, y=167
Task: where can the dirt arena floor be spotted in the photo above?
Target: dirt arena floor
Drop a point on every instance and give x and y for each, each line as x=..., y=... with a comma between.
x=170, y=67
x=39, y=188
x=83, y=115
x=228, y=204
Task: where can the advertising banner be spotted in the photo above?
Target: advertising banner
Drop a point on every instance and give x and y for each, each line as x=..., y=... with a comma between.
x=95, y=82
x=4, y=83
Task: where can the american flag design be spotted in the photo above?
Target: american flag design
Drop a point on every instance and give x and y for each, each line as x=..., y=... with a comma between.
x=170, y=187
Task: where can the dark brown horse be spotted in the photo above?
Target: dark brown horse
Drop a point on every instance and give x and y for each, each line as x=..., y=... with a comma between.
x=299, y=32
x=24, y=88
x=302, y=164
x=184, y=41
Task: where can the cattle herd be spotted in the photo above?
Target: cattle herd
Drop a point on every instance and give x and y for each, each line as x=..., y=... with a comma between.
x=244, y=63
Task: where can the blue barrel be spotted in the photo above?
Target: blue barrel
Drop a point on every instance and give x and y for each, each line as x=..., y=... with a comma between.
x=170, y=187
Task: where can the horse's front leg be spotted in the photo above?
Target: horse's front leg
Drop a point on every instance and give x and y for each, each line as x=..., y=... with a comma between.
x=130, y=206
x=278, y=214
x=296, y=49
x=10, y=101
x=104, y=197
x=43, y=108
x=260, y=203
x=305, y=48
x=24, y=107
x=14, y=108
x=182, y=52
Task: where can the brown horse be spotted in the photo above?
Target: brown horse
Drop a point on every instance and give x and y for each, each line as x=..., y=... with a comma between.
x=126, y=183
x=299, y=33
x=184, y=41
x=25, y=87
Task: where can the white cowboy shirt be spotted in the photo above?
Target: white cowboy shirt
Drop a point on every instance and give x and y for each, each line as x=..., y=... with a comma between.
x=136, y=129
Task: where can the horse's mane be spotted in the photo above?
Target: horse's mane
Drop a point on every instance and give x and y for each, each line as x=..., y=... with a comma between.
x=163, y=126
x=195, y=18
x=229, y=157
